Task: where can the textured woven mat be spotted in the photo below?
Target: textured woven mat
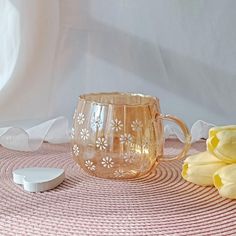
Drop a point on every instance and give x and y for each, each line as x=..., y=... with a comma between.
x=160, y=204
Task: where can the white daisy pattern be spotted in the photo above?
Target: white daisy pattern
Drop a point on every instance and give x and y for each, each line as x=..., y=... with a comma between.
x=116, y=125
x=126, y=138
x=101, y=143
x=144, y=166
x=76, y=149
x=96, y=122
x=74, y=116
x=81, y=118
x=90, y=165
x=145, y=143
x=129, y=157
x=107, y=162
x=84, y=134
x=72, y=133
x=137, y=125
x=119, y=173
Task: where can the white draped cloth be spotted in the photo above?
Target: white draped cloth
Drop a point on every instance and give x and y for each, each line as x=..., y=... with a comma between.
x=181, y=51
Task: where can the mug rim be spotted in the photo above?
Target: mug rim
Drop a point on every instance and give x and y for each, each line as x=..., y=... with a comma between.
x=150, y=99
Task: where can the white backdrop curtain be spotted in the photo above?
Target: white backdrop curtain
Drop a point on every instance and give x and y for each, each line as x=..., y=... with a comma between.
x=182, y=51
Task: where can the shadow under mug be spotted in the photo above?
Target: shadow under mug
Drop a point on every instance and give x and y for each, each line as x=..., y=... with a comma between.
x=120, y=135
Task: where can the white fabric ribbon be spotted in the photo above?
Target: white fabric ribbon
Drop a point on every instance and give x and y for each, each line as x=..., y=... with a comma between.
x=53, y=131
x=57, y=131
x=198, y=131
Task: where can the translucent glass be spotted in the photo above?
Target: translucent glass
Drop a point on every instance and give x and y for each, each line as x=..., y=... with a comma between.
x=117, y=135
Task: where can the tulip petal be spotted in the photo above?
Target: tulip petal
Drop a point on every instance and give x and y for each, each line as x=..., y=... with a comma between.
x=202, y=158
x=199, y=168
x=223, y=145
x=225, y=181
x=227, y=145
x=214, y=130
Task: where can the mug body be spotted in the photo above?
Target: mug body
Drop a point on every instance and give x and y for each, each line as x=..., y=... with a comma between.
x=115, y=135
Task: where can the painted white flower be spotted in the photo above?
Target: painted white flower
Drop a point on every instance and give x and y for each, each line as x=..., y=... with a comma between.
x=84, y=134
x=119, y=173
x=145, y=143
x=101, y=143
x=74, y=116
x=90, y=165
x=129, y=157
x=96, y=122
x=107, y=162
x=116, y=125
x=72, y=133
x=145, y=166
x=81, y=118
x=126, y=138
x=136, y=125
x=76, y=149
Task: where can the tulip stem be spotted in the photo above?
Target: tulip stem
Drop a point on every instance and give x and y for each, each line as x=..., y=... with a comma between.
x=217, y=181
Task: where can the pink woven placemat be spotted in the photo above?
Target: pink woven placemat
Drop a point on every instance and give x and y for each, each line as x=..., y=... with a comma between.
x=160, y=204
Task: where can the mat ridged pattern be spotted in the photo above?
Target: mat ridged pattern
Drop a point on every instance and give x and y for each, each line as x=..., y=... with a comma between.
x=159, y=204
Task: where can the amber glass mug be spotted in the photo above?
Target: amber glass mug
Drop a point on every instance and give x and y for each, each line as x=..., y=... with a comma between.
x=120, y=135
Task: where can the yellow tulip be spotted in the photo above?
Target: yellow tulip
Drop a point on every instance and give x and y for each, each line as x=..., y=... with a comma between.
x=199, y=168
x=225, y=181
x=222, y=143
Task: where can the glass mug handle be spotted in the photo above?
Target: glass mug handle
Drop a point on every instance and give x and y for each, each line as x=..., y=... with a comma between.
x=185, y=130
